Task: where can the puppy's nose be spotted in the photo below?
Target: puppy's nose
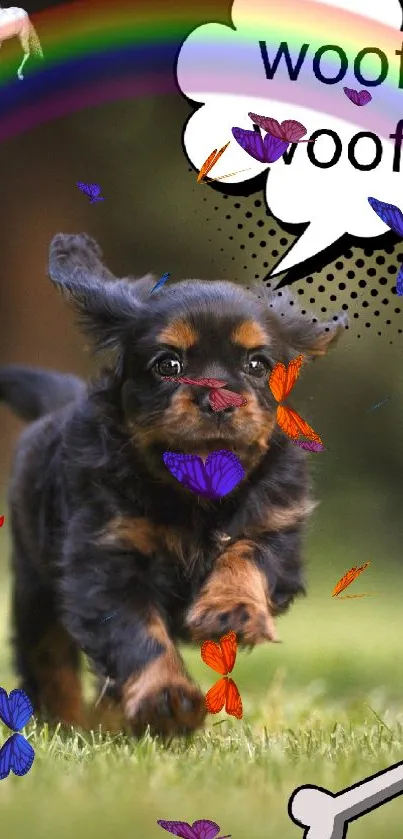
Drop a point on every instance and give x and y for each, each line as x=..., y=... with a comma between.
x=205, y=406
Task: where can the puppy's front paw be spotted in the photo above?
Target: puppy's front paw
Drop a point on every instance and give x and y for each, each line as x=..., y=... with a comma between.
x=170, y=706
x=251, y=622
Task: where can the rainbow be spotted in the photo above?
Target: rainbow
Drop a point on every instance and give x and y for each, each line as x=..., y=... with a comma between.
x=101, y=51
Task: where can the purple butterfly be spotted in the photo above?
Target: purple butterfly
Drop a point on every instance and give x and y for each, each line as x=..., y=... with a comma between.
x=361, y=97
x=393, y=217
x=91, y=190
x=310, y=445
x=201, y=829
x=265, y=150
x=218, y=476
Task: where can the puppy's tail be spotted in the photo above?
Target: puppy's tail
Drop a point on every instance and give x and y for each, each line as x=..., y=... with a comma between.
x=32, y=392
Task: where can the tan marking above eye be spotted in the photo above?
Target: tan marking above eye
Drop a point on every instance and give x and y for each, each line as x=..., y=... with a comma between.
x=179, y=334
x=250, y=335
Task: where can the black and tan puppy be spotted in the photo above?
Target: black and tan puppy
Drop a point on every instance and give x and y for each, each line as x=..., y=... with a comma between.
x=111, y=555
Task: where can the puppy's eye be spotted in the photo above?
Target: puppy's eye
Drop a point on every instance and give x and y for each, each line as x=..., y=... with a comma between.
x=257, y=366
x=169, y=365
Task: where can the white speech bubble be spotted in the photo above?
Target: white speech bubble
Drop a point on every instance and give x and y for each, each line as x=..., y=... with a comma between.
x=223, y=69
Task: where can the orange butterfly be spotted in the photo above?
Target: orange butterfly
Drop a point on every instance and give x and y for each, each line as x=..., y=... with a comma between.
x=346, y=581
x=221, y=658
x=281, y=382
x=211, y=161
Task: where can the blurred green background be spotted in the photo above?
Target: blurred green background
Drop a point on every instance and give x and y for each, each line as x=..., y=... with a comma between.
x=325, y=706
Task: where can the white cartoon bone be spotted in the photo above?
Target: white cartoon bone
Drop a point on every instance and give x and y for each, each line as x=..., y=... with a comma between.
x=325, y=815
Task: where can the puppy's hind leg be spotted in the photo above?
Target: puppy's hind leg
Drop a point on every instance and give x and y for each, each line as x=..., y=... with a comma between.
x=46, y=658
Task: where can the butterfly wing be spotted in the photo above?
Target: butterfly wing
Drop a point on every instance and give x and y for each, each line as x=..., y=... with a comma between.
x=189, y=470
x=22, y=754
x=202, y=382
x=348, y=578
x=269, y=124
x=293, y=425
x=85, y=188
x=293, y=371
x=16, y=755
x=292, y=130
x=216, y=696
x=310, y=445
x=211, y=161
x=233, y=701
x=351, y=94
x=274, y=147
x=224, y=471
x=205, y=829
x=221, y=399
x=399, y=286
x=210, y=383
x=277, y=381
x=219, y=154
x=207, y=165
x=229, y=647
x=364, y=97
x=160, y=282
x=220, y=657
x=182, y=829
x=251, y=142
x=389, y=213
x=212, y=655
x=5, y=759
x=282, y=379
x=15, y=709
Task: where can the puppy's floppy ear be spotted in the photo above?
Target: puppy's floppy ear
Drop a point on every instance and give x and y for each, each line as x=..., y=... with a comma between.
x=107, y=307
x=304, y=333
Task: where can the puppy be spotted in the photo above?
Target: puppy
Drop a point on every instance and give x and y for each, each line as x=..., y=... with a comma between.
x=111, y=555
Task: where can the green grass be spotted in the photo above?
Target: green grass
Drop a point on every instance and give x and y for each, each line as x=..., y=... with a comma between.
x=323, y=707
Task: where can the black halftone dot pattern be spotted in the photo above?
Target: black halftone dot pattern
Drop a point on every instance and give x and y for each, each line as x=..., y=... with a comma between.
x=360, y=282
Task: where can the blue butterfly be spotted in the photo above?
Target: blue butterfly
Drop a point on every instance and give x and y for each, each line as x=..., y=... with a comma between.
x=92, y=191
x=16, y=754
x=393, y=217
x=160, y=283
x=15, y=709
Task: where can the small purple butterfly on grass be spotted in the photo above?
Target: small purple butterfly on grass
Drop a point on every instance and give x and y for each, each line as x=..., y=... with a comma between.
x=361, y=97
x=16, y=754
x=161, y=282
x=310, y=445
x=92, y=191
x=201, y=829
x=218, y=476
x=393, y=217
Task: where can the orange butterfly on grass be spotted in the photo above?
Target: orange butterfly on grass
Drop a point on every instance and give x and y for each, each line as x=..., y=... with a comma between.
x=281, y=382
x=221, y=658
x=346, y=581
x=211, y=161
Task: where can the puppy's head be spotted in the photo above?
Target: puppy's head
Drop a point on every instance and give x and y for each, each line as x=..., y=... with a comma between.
x=194, y=329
